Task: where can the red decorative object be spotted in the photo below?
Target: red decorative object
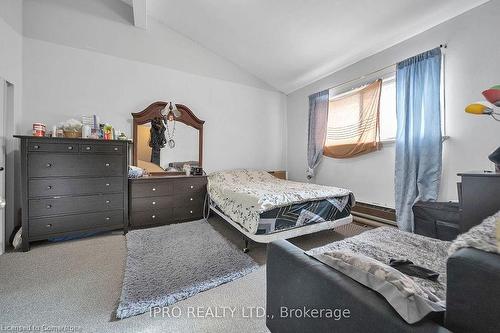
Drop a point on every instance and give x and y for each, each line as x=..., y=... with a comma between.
x=492, y=96
x=39, y=129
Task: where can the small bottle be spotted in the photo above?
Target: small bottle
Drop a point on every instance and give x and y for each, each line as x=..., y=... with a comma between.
x=86, y=131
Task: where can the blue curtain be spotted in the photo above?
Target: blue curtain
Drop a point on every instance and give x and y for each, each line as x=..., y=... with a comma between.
x=418, y=138
x=318, y=119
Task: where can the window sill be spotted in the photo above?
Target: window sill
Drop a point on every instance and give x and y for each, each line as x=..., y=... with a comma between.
x=393, y=140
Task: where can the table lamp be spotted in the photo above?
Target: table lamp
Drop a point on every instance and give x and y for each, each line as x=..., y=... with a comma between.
x=492, y=95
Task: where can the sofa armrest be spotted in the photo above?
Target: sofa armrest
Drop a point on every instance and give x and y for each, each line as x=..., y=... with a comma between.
x=473, y=291
x=297, y=281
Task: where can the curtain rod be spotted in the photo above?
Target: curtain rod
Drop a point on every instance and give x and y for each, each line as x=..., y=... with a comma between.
x=442, y=46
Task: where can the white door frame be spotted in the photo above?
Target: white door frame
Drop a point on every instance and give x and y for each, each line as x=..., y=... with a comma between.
x=10, y=173
x=3, y=158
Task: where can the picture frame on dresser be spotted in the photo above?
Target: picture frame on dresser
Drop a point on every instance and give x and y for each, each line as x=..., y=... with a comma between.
x=72, y=186
x=166, y=196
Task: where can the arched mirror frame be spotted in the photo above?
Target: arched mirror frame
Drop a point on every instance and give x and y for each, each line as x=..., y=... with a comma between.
x=154, y=110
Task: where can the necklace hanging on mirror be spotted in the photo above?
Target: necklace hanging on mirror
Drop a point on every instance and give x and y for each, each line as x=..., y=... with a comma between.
x=171, y=143
x=170, y=133
x=170, y=119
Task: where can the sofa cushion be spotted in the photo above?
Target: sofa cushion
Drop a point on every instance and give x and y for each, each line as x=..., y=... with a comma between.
x=411, y=301
x=385, y=243
x=482, y=237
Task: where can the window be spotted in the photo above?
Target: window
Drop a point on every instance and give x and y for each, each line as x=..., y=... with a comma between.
x=388, y=123
x=388, y=120
x=353, y=122
x=387, y=112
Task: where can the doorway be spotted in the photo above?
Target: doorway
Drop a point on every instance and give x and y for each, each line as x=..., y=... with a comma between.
x=7, y=163
x=3, y=119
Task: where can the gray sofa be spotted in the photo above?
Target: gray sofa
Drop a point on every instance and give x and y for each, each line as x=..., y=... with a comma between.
x=297, y=281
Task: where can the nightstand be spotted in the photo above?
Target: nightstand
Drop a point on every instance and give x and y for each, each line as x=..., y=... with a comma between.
x=479, y=195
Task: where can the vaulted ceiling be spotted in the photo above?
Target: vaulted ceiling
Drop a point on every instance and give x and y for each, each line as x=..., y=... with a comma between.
x=291, y=43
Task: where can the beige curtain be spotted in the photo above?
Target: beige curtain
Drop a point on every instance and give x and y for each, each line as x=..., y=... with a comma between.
x=354, y=122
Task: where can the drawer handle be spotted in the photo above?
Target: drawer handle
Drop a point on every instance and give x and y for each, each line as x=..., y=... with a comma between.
x=190, y=199
x=153, y=189
x=36, y=147
x=48, y=165
x=108, y=201
x=154, y=202
x=153, y=216
x=191, y=186
x=49, y=187
x=107, y=184
x=49, y=225
x=107, y=164
x=70, y=147
x=115, y=149
x=87, y=148
x=48, y=206
x=108, y=218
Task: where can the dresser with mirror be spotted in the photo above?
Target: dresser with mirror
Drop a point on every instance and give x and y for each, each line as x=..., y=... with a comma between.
x=168, y=145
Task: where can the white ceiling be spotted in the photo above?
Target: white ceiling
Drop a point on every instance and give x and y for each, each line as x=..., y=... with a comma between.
x=291, y=43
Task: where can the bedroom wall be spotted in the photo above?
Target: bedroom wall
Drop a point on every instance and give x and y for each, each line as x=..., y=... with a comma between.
x=471, y=66
x=106, y=26
x=11, y=43
x=85, y=57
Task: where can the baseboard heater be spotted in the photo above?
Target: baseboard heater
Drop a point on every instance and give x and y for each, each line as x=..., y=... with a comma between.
x=373, y=215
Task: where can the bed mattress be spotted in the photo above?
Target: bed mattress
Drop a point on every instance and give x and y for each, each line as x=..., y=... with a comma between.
x=305, y=213
x=262, y=204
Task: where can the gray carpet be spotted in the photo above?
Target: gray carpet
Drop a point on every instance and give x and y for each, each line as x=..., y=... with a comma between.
x=79, y=282
x=170, y=263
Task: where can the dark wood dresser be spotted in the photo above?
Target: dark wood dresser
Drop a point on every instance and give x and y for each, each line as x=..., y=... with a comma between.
x=479, y=195
x=70, y=186
x=163, y=200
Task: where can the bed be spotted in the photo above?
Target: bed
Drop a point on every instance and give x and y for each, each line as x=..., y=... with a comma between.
x=264, y=208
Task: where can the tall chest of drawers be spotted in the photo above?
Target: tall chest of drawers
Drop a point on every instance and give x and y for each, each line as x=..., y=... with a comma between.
x=157, y=201
x=72, y=186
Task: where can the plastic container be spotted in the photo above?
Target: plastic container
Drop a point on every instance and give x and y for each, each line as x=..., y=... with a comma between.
x=39, y=129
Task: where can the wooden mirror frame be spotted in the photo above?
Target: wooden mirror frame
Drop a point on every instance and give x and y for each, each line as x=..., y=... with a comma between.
x=154, y=110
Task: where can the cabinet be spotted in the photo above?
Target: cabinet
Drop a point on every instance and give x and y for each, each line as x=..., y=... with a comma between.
x=70, y=186
x=163, y=200
x=479, y=194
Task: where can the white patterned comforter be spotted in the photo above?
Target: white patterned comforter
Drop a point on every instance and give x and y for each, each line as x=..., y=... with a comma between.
x=244, y=194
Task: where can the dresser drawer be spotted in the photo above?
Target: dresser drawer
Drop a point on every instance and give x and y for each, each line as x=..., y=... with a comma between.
x=148, y=203
x=194, y=198
x=188, y=212
x=53, y=147
x=151, y=188
x=152, y=217
x=44, y=187
x=50, y=165
x=62, y=224
x=102, y=148
x=189, y=184
x=71, y=205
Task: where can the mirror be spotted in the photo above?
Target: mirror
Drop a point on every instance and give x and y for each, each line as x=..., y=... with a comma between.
x=184, y=151
x=164, y=142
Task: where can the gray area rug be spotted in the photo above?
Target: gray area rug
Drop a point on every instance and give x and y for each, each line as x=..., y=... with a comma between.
x=171, y=263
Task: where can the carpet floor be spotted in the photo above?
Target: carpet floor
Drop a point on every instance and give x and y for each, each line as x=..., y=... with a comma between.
x=77, y=284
